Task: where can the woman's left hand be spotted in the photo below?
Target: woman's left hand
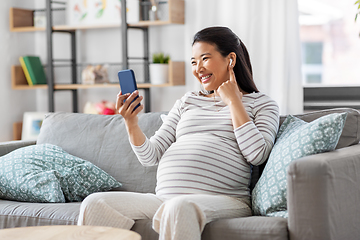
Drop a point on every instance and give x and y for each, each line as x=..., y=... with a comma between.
x=229, y=90
x=230, y=94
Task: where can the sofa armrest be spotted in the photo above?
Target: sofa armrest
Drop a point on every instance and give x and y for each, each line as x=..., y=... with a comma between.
x=324, y=195
x=7, y=147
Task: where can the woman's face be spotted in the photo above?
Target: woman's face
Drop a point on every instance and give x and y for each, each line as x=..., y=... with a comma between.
x=209, y=66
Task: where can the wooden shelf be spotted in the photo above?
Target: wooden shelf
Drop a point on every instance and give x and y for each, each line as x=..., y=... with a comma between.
x=21, y=18
x=176, y=77
x=18, y=80
x=27, y=29
x=84, y=27
x=17, y=129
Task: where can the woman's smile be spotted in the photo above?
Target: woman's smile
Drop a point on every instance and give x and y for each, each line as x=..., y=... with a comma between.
x=205, y=78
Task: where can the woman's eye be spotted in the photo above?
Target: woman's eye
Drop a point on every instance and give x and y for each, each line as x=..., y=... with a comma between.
x=205, y=58
x=193, y=63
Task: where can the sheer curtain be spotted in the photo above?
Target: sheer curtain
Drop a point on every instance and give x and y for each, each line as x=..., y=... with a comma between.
x=270, y=30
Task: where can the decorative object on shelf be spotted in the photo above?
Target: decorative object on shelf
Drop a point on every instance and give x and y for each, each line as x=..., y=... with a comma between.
x=103, y=108
x=97, y=12
x=95, y=74
x=32, y=122
x=159, y=69
x=39, y=19
x=33, y=70
x=155, y=10
x=153, y=13
x=162, y=10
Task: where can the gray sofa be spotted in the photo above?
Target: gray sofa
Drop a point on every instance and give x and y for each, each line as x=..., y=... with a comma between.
x=323, y=189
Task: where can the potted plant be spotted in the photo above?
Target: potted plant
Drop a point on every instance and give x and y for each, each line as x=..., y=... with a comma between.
x=159, y=68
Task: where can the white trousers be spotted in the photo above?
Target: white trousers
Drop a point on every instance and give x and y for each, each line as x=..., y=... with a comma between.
x=179, y=218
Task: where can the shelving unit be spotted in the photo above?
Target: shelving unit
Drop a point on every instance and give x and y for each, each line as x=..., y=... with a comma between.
x=21, y=20
x=18, y=80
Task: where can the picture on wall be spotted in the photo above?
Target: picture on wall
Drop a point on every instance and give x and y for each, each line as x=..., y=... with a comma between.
x=100, y=12
x=32, y=122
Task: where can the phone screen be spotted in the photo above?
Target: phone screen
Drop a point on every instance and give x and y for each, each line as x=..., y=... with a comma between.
x=127, y=82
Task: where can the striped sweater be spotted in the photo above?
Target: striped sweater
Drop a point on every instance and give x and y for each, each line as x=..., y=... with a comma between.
x=198, y=150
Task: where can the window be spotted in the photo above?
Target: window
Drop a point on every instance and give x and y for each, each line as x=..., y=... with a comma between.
x=312, y=62
x=330, y=42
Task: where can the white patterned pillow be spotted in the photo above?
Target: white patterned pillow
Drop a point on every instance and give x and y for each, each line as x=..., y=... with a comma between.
x=295, y=139
x=46, y=173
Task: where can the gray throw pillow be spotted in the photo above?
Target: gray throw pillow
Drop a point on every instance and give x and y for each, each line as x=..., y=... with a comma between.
x=295, y=139
x=46, y=173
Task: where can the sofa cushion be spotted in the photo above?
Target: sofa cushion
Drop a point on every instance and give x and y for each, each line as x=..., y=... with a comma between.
x=24, y=214
x=246, y=228
x=103, y=140
x=294, y=140
x=46, y=173
x=349, y=136
x=351, y=132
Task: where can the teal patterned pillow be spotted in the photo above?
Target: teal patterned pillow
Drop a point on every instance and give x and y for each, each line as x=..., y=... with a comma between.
x=46, y=173
x=294, y=140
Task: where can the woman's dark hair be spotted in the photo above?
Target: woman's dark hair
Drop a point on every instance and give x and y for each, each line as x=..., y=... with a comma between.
x=226, y=42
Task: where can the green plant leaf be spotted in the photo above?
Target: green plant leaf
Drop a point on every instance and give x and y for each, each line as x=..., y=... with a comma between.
x=160, y=58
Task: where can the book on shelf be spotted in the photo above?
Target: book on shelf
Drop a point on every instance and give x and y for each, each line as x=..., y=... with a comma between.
x=33, y=70
x=26, y=73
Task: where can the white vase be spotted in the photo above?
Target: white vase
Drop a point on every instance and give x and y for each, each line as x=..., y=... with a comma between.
x=159, y=73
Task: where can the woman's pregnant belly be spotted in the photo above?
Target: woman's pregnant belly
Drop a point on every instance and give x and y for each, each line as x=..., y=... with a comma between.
x=202, y=165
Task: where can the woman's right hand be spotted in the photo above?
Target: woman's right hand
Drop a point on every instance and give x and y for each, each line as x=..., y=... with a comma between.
x=126, y=109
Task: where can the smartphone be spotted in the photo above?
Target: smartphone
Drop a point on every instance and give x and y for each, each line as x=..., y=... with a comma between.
x=128, y=83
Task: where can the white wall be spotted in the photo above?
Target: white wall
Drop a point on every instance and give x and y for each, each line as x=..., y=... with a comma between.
x=13, y=103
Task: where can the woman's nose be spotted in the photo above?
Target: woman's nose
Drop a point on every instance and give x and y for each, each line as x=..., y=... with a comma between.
x=199, y=67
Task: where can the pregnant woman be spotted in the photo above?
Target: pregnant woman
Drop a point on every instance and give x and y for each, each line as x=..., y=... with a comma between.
x=204, y=149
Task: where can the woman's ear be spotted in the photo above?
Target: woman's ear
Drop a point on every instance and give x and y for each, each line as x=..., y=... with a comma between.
x=232, y=59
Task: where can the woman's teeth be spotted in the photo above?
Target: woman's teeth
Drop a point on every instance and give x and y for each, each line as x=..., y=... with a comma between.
x=206, y=77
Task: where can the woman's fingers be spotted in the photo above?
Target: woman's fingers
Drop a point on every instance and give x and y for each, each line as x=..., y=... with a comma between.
x=129, y=105
x=232, y=74
x=118, y=103
x=120, y=100
x=131, y=98
x=135, y=103
x=139, y=108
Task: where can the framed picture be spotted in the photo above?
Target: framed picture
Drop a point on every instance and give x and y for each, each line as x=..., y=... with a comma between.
x=100, y=12
x=32, y=122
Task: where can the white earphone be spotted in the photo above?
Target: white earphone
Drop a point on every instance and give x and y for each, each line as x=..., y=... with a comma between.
x=231, y=61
